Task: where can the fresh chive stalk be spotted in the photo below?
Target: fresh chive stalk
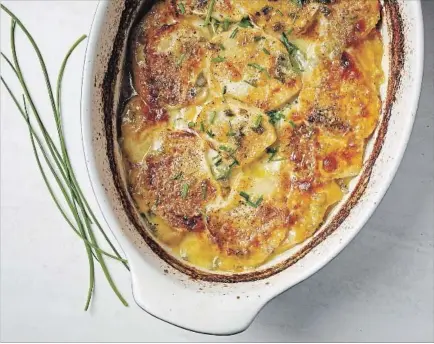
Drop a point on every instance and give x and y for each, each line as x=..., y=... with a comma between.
x=57, y=161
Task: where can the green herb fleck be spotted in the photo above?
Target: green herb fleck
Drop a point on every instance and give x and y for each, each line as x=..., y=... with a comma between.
x=245, y=22
x=234, y=162
x=226, y=24
x=212, y=117
x=275, y=116
x=258, y=122
x=292, y=123
x=248, y=200
x=292, y=50
x=266, y=51
x=202, y=127
x=217, y=160
x=222, y=47
x=181, y=59
x=259, y=67
x=210, y=133
x=226, y=149
x=177, y=176
x=225, y=89
x=251, y=83
x=272, y=152
x=258, y=38
x=209, y=13
x=234, y=33
x=181, y=8
x=231, y=131
x=218, y=59
x=191, y=124
x=280, y=12
x=184, y=190
x=204, y=191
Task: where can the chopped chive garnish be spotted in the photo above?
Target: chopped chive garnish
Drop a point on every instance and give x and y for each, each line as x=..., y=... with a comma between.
x=204, y=191
x=225, y=89
x=181, y=8
x=226, y=24
x=234, y=33
x=226, y=149
x=231, y=131
x=218, y=161
x=292, y=50
x=222, y=47
x=181, y=59
x=289, y=32
x=251, y=83
x=233, y=163
x=258, y=122
x=272, y=151
x=258, y=38
x=280, y=12
x=218, y=59
x=209, y=13
x=266, y=51
x=210, y=133
x=245, y=22
x=177, y=176
x=212, y=118
x=184, y=190
x=202, y=127
x=292, y=123
x=248, y=200
x=275, y=116
x=191, y=124
x=259, y=67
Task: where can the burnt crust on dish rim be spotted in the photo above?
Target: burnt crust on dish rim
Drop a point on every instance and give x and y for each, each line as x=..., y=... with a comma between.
x=396, y=47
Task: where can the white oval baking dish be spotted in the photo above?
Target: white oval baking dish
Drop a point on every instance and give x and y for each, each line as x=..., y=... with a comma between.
x=227, y=304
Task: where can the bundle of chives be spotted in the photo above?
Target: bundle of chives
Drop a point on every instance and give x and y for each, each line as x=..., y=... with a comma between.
x=74, y=208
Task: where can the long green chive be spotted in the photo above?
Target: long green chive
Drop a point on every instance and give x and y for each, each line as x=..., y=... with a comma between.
x=59, y=163
x=209, y=13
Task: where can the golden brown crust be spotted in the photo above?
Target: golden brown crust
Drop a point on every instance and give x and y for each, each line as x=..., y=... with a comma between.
x=173, y=182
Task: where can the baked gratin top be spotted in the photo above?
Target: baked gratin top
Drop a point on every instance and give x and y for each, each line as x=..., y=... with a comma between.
x=248, y=120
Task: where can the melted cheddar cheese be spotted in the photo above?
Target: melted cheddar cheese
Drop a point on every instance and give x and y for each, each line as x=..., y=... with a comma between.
x=248, y=121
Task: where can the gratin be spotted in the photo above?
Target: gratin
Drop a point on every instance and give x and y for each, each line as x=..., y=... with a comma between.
x=248, y=120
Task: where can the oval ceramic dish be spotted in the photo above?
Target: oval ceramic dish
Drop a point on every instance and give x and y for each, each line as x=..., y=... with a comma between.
x=227, y=303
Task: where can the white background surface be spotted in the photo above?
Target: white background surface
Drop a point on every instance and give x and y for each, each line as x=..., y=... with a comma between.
x=380, y=288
